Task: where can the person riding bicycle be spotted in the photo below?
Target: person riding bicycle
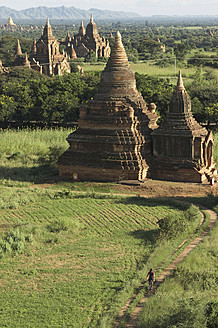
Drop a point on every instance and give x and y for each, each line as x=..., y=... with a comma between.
x=151, y=278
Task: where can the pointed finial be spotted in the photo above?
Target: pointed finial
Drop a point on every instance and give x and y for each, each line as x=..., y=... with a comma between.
x=26, y=58
x=19, y=51
x=91, y=19
x=82, y=23
x=180, y=85
x=118, y=38
x=47, y=23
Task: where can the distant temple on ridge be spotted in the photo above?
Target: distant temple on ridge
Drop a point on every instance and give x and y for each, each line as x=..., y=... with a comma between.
x=87, y=40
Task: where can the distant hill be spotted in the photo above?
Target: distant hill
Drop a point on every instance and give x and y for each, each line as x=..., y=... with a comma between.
x=63, y=12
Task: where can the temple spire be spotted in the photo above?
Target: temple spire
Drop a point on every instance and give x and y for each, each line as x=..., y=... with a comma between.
x=47, y=30
x=19, y=51
x=34, y=47
x=82, y=29
x=91, y=19
x=180, y=85
x=118, y=53
x=180, y=101
x=26, y=60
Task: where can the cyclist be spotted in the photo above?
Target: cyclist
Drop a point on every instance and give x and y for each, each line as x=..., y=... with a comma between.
x=151, y=278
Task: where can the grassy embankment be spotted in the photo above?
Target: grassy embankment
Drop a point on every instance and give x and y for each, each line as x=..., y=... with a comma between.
x=189, y=298
x=69, y=260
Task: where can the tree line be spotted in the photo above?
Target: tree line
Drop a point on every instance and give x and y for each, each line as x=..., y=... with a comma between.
x=26, y=95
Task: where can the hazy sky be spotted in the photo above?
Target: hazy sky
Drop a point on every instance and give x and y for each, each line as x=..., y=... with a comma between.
x=143, y=7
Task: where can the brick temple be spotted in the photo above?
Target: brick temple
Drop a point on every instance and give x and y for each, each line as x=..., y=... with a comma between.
x=45, y=56
x=118, y=137
x=113, y=139
x=182, y=148
x=86, y=40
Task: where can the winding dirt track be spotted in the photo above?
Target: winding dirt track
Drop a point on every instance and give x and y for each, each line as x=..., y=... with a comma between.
x=132, y=322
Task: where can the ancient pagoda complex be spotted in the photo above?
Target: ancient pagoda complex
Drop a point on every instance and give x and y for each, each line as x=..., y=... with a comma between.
x=113, y=139
x=87, y=40
x=182, y=148
x=45, y=56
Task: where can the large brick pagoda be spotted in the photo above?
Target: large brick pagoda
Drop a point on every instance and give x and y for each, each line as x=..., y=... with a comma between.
x=182, y=148
x=113, y=139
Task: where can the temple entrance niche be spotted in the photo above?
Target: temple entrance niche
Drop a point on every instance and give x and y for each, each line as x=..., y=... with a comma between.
x=209, y=152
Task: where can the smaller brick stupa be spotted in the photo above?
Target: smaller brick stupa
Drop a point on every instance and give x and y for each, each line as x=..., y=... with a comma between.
x=182, y=148
x=113, y=139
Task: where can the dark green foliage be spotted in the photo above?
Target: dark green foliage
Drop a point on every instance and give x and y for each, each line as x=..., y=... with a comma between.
x=192, y=213
x=90, y=57
x=8, y=46
x=61, y=224
x=154, y=90
x=172, y=224
x=211, y=314
x=14, y=242
x=51, y=157
x=181, y=50
x=27, y=95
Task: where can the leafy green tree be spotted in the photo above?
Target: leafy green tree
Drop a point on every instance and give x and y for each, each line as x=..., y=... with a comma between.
x=212, y=113
x=154, y=90
x=7, y=107
x=181, y=50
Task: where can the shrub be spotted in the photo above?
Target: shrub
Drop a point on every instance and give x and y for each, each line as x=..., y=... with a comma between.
x=172, y=224
x=14, y=242
x=52, y=156
x=63, y=224
x=211, y=314
x=191, y=213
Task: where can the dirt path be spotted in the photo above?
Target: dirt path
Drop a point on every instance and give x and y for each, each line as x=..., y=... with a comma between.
x=132, y=322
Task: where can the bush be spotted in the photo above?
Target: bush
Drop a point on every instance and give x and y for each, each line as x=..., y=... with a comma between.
x=14, y=242
x=211, y=314
x=172, y=224
x=191, y=213
x=52, y=156
x=63, y=224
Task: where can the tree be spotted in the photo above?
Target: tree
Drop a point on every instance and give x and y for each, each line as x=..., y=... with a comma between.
x=181, y=50
x=154, y=90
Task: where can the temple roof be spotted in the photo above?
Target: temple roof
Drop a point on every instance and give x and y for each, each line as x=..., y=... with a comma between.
x=180, y=101
x=47, y=33
x=117, y=79
x=91, y=29
x=180, y=85
x=180, y=120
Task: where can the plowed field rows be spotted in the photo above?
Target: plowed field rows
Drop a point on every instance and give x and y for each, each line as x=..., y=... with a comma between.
x=71, y=278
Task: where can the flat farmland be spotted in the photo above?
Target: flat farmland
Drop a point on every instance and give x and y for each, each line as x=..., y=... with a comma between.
x=83, y=251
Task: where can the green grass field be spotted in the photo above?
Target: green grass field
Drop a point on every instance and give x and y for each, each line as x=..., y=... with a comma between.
x=70, y=259
x=153, y=70
x=84, y=251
